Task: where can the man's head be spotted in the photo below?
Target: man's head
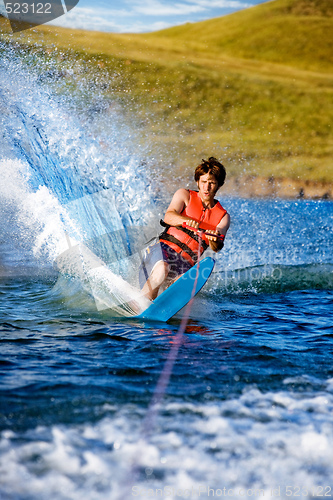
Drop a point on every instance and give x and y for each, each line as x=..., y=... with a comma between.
x=213, y=167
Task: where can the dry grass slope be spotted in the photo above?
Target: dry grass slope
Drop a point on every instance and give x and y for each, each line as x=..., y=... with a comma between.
x=254, y=88
x=291, y=32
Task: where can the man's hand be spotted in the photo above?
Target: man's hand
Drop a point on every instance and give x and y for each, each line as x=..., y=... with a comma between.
x=216, y=244
x=210, y=236
x=192, y=223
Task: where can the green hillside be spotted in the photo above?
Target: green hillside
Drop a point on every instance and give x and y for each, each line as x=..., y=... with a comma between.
x=254, y=88
x=293, y=32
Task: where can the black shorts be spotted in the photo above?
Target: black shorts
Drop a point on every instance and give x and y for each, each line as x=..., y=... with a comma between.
x=162, y=252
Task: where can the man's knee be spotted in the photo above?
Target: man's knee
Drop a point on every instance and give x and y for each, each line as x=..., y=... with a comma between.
x=160, y=271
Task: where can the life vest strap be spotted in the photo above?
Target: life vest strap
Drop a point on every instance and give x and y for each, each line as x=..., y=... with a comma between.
x=168, y=237
x=193, y=255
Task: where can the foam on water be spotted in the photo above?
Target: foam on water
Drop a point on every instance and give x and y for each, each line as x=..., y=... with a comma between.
x=257, y=441
x=40, y=218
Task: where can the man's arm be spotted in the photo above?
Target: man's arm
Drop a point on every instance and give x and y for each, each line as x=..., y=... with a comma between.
x=179, y=201
x=215, y=244
x=172, y=217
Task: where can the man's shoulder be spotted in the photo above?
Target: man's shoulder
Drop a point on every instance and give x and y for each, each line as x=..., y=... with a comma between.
x=182, y=193
x=218, y=204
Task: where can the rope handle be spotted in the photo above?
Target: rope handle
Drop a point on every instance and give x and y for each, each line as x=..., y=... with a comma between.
x=206, y=233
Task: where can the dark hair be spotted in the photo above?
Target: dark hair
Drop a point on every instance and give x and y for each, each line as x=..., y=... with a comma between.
x=213, y=167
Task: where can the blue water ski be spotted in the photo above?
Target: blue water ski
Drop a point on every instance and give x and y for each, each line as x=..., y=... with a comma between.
x=177, y=295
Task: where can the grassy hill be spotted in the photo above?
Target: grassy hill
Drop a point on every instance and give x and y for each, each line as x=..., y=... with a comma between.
x=297, y=33
x=254, y=88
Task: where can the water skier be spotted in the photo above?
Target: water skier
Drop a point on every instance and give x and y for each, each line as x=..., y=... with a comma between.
x=178, y=247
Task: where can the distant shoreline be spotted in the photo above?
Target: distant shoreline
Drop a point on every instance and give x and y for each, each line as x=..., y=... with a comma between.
x=250, y=186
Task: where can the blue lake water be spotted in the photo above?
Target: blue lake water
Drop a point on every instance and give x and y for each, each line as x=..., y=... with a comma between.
x=248, y=410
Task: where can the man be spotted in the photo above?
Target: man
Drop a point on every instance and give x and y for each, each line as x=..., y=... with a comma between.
x=179, y=247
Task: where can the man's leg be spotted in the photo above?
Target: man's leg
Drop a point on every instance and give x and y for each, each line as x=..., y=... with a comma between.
x=158, y=275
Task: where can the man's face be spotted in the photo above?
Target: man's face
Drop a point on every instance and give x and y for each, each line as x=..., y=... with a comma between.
x=208, y=187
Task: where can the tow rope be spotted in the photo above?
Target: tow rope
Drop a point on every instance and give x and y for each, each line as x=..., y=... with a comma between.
x=163, y=381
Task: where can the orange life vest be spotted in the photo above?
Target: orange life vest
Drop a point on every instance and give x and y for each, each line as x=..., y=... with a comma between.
x=186, y=242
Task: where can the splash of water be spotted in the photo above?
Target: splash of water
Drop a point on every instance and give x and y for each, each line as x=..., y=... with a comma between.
x=66, y=188
x=70, y=171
